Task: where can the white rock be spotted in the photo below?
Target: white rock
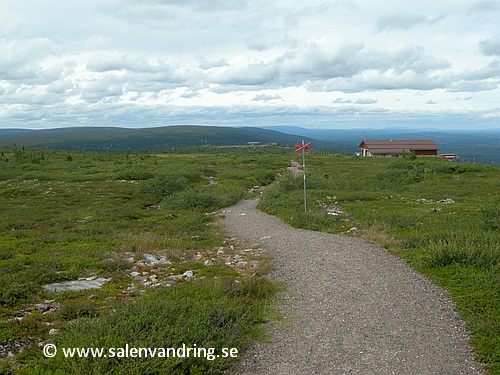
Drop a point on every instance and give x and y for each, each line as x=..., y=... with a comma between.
x=151, y=258
x=175, y=277
x=188, y=274
x=446, y=201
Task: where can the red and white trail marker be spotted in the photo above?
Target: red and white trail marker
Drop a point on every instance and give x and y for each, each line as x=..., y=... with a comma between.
x=303, y=146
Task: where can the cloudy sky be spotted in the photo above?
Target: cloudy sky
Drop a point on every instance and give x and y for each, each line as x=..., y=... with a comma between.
x=315, y=63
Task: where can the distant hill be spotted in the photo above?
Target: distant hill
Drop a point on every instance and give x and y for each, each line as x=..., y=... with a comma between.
x=120, y=139
x=481, y=146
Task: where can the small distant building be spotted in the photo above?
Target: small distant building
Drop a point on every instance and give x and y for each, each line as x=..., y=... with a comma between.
x=389, y=148
x=448, y=156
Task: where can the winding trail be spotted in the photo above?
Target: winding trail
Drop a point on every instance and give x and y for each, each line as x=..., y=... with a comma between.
x=351, y=307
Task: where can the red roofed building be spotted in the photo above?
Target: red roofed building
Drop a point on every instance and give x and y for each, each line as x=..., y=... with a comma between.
x=398, y=147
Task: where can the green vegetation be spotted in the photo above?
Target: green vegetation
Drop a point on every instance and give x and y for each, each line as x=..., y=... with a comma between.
x=74, y=214
x=215, y=314
x=443, y=217
x=77, y=214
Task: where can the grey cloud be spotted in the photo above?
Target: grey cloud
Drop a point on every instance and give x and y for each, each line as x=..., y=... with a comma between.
x=175, y=15
x=115, y=114
x=431, y=102
x=471, y=86
x=399, y=21
x=106, y=62
x=484, y=6
x=190, y=94
x=351, y=67
x=102, y=90
x=24, y=96
x=348, y=4
x=354, y=68
x=319, y=62
x=270, y=39
x=491, y=46
x=217, y=5
x=342, y=101
x=208, y=64
x=416, y=59
x=145, y=17
x=154, y=82
x=383, y=80
x=258, y=43
x=138, y=73
x=60, y=86
x=101, y=65
x=21, y=58
x=366, y=101
x=316, y=63
x=200, y=5
x=248, y=75
x=492, y=70
x=266, y=97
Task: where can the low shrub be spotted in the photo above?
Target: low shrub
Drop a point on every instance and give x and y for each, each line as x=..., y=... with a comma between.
x=77, y=309
x=464, y=251
x=165, y=185
x=134, y=174
x=405, y=171
x=14, y=293
x=205, y=198
x=226, y=316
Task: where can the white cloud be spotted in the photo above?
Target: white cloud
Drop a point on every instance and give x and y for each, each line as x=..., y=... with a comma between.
x=154, y=61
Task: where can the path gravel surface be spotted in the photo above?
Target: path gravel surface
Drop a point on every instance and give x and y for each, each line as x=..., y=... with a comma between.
x=350, y=308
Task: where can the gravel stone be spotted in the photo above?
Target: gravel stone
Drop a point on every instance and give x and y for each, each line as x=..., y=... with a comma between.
x=351, y=307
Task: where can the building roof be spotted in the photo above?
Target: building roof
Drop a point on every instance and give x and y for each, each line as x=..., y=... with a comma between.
x=398, y=146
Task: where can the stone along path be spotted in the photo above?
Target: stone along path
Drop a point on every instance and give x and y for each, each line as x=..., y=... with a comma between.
x=351, y=307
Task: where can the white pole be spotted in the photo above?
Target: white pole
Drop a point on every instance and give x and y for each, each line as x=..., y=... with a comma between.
x=304, y=169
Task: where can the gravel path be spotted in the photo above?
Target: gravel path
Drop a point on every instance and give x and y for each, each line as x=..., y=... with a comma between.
x=351, y=307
